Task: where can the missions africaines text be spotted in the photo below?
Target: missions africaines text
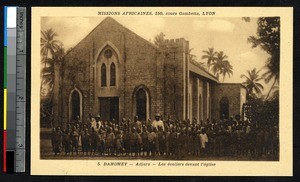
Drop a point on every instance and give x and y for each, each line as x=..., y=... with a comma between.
x=108, y=13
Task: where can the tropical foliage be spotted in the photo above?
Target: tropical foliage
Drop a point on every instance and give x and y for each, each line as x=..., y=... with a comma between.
x=51, y=51
x=159, y=39
x=252, y=82
x=218, y=63
x=263, y=112
x=268, y=39
x=210, y=55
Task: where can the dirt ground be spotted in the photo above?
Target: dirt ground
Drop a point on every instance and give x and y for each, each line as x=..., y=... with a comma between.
x=46, y=153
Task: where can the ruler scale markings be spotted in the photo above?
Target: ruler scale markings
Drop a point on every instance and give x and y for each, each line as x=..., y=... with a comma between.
x=21, y=89
x=11, y=87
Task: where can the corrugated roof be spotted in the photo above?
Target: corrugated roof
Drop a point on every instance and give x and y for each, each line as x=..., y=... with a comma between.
x=201, y=72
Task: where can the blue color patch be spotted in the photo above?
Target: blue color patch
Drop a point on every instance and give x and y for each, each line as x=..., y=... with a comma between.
x=5, y=25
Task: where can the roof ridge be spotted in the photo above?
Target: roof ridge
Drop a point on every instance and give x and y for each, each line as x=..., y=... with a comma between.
x=202, y=68
x=72, y=48
x=132, y=31
x=104, y=20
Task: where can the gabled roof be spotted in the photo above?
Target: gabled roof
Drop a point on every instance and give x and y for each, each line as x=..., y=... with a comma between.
x=127, y=29
x=111, y=20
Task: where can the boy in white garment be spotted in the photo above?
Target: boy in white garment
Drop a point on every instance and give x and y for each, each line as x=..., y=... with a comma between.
x=158, y=122
x=203, y=140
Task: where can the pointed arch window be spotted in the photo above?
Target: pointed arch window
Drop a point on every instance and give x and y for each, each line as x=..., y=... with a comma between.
x=75, y=105
x=112, y=74
x=103, y=75
x=141, y=104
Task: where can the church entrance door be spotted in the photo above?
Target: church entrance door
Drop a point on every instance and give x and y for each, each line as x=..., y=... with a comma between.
x=109, y=108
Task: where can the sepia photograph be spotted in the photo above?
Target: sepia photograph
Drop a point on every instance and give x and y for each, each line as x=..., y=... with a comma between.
x=149, y=86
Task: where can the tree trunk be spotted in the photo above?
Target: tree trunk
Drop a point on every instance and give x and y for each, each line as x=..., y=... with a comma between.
x=249, y=93
x=271, y=89
x=42, y=79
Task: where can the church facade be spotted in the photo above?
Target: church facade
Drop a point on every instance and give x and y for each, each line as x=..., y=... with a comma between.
x=118, y=74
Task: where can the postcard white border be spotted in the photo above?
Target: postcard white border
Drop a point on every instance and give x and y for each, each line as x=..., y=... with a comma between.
x=283, y=167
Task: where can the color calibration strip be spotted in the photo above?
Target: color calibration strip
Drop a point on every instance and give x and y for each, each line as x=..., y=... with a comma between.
x=14, y=89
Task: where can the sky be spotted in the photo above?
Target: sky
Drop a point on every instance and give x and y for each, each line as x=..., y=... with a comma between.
x=223, y=34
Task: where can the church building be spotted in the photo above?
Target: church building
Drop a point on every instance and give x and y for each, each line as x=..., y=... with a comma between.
x=118, y=74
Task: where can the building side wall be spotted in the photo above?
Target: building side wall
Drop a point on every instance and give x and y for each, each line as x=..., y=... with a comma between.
x=243, y=95
x=232, y=92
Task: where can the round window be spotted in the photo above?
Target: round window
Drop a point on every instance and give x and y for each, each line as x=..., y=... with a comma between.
x=108, y=53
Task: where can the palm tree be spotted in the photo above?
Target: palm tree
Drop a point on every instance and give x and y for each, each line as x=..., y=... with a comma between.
x=49, y=46
x=51, y=51
x=227, y=69
x=221, y=66
x=252, y=81
x=272, y=73
x=210, y=55
x=48, y=43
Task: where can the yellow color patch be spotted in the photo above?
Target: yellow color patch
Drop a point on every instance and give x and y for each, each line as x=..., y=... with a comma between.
x=5, y=109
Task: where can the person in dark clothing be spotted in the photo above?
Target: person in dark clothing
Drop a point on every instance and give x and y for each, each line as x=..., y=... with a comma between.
x=145, y=142
x=139, y=142
x=74, y=139
x=182, y=145
x=161, y=141
x=53, y=133
x=110, y=141
x=127, y=142
x=167, y=134
x=56, y=141
x=133, y=141
x=101, y=142
x=86, y=142
x=119, y=143
x=94, y=141
x=151, y=141
x=67, y=142
x=173, y=142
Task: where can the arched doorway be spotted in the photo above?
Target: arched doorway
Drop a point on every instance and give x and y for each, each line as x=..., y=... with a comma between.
x=224, y=108
x=75, y=105
x=141, y=104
